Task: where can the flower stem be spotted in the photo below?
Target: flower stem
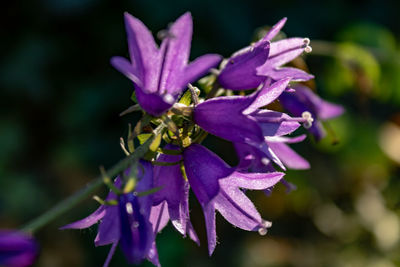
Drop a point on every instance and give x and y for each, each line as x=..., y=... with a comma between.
x=86, y=192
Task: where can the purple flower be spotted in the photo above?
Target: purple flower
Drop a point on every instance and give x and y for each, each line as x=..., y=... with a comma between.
x=255, y=160
x=171, y=201
x=303, y=99
x=239, y=119
x=217, y=187
x=17, y=249
x=160, y=74
x=127, y=223
x=252, y=65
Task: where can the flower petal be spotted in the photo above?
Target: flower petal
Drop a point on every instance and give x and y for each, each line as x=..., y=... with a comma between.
x=177, y=54
x=199, y=67
x=267, y=94
x=275, y=123
x=203, y=169
x=240, y=71
x=275, y=30
x=295, y=74
x=223, y=117
x=88, y=221
x=288, y=156
x=145, y=58
x=109, y=228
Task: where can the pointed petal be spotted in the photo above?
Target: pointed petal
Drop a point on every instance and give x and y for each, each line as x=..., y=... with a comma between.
x=192, y=233
x=285, y=139
x=240, y=71
x=143, y=51
x=152, y=256
x=223, y=117
x=275, y=30
x=267, y=94
x=237, y=209
x=288, y=156
x=203, y=169
x=329, y=110
x=275, y=123
x=88, y=221
x=255, y=181
x=296, y=74
x=270, y=154
x=109, y=228
x=159, y=217
x=209, y=216
x=199, y=67
x=177, y=54
x=125, y=67
x=282, y=52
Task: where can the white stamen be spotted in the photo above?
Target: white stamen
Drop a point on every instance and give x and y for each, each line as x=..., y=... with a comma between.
x=309, y=119
x=169, y=98
x=265, y=161
x=308, y=49
x=306, y=41
x=129, y=208
x=263, y=230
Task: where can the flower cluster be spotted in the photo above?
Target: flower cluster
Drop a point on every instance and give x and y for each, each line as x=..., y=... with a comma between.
x=235, y=106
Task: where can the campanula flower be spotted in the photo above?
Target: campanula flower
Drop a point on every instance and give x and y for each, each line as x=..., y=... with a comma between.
x=159, y=74
x=240, y=119
x=127, y=223
x=17, y=249
x=217, y=187
x=172, y=200
x=304, y=99
x=252, y=65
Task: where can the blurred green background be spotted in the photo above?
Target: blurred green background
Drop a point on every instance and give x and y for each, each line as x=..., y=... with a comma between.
x=60, y=101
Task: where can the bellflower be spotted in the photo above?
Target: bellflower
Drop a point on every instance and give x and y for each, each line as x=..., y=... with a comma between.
x=127, y=223
x=252, y=65
x=217, y=186
x=239, y=119
x=17, y=249
x=172, y=200
x=255, y=160
x=303, y=99
x=160, y=74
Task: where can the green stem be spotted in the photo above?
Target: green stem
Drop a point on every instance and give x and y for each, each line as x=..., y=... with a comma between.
x=70, y=202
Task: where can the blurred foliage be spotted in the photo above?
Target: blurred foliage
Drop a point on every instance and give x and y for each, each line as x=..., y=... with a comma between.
x=59, y=121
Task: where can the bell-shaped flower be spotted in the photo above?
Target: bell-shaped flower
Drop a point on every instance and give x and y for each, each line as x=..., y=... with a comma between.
x=171, y=202
x=217, y=186
x=304, y=99
x=252, y=65
x=256, y=161
x=17, y=249
x=159, y=74
x=127, y=223
x=240, y=119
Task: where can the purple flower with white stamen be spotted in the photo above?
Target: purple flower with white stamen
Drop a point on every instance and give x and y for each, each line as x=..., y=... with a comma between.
x=127, y=223
x=160, y=74
x=252, y=65
x=217, y=186
x=240, y=119
x=17, y=249
x=304, y=99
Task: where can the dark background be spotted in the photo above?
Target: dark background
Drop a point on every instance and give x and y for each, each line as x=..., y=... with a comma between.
x=60, y=100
